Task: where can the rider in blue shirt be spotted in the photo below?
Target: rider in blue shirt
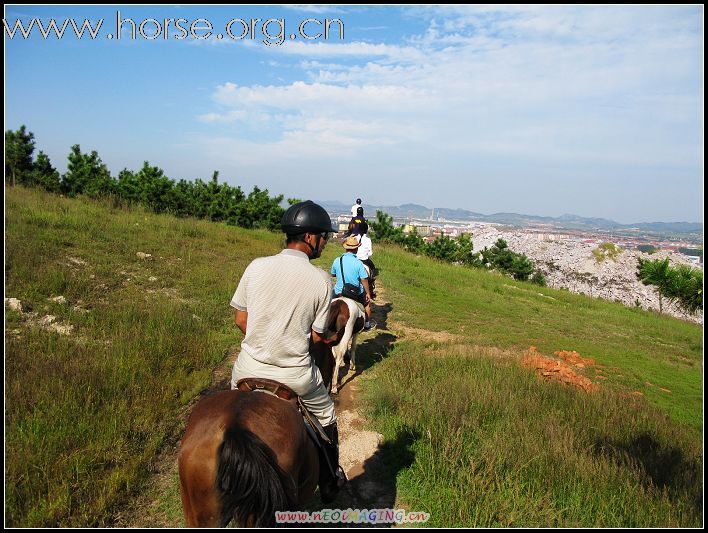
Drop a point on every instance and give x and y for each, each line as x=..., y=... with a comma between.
x=354, y=274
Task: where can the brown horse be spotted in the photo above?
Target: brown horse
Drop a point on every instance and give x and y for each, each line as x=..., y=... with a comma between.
x=246, y=455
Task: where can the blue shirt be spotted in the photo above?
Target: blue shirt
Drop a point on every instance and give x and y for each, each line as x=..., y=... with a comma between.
x=354, y=271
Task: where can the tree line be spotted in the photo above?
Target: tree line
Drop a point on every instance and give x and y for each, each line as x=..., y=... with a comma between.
x=459, y=250
x=86, y=174
x=682, y=285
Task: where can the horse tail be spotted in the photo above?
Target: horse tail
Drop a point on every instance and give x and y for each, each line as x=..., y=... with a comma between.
x=249, y=481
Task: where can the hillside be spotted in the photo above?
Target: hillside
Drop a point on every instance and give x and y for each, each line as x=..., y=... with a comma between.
x=572, y=265
x=567, y=221
x=121, y=317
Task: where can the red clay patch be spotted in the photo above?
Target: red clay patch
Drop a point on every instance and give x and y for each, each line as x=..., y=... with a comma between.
x=574, y=358
x=555, y=370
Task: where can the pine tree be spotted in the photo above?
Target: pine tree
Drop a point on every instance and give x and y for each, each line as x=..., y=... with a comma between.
x=656, y=273
x=86, y=174
x=19, y=146
x=44, y=174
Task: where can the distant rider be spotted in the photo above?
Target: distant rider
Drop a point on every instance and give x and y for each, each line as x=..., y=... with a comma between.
x=357, y=223
x=364, y=254
x=356, y=206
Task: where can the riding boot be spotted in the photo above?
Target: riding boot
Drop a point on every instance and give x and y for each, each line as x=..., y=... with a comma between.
x=330, y=482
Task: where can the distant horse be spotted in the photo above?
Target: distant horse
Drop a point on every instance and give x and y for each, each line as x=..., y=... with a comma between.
x=246, y=455
x=351, y=318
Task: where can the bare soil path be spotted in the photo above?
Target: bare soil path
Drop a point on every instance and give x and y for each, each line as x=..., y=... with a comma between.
x=368, y=464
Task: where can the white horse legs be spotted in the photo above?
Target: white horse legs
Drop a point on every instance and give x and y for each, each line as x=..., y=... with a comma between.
x=352, y=353
x=339, y=352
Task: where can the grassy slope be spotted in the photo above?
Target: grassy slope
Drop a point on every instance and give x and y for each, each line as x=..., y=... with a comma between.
x=86, y=413
x=480, y=458
x=484, y=443
x=493, y=310
x=481, y=442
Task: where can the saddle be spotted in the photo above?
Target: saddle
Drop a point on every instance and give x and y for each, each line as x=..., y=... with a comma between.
x=270, y=386
x=267, y=385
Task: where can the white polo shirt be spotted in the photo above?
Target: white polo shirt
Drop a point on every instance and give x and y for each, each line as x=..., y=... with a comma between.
x=365, y=250
x=285, y=297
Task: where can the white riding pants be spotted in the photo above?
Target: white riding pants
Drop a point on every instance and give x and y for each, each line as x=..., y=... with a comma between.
x=305, y=381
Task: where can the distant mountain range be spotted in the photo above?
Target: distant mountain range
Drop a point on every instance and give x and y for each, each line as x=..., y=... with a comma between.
x=569, y=222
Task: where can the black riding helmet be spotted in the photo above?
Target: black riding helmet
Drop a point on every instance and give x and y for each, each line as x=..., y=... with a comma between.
x=306, y=217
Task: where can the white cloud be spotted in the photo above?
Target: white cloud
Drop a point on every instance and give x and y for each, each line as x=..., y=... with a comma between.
x=317, y=9
x=354, y=49
x=583, y=87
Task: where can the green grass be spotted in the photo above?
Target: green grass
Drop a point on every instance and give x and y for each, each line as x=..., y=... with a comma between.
x=472, y=439
x=492, y=446
x=87, y=413
x=493, y=310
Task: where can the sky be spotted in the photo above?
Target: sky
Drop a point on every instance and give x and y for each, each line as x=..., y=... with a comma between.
x=590, y=110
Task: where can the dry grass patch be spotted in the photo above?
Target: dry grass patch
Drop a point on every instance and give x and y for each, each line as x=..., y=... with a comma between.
x=424, y=334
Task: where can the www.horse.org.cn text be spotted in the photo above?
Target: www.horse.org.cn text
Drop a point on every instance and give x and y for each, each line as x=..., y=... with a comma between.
x=271, y=32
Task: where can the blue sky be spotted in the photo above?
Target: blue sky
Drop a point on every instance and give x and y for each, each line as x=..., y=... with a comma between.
x=590, y=110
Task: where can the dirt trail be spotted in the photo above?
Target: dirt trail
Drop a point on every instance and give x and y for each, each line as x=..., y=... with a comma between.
x=371, y=486
x=371, y=483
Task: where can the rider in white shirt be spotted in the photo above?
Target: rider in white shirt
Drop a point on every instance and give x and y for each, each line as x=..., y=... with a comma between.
x=364, y=253
x=356, y=206
x=365, y=250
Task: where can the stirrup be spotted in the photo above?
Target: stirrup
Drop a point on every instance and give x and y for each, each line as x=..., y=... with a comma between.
x=329, y=492
x=340, y=477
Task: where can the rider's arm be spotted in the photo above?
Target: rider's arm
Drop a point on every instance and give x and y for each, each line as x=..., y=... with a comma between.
x=241, y=320
x=319, y=337
x=319, y=328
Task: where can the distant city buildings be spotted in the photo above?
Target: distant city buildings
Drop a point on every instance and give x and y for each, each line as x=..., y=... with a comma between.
x=432, y=227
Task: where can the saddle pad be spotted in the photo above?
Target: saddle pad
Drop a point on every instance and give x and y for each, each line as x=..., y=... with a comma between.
x=361, y=307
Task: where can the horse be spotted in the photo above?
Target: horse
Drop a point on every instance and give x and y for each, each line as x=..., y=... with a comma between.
x=351, y=317
x=246, y=455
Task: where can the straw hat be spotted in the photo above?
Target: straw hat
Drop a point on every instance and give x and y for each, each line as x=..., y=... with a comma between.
x=351, y=243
